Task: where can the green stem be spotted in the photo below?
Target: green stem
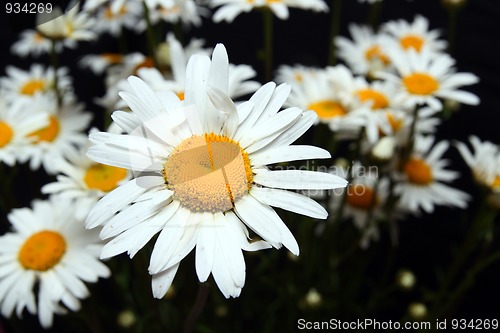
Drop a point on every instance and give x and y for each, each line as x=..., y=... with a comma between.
x=150, y=35
x=373, y=19
x=452, y=27
x=336, y=9
x=268, y=43
x=198, y=307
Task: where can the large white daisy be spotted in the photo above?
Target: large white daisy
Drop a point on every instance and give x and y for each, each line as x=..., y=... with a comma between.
x=423, y=179
x=204, y=178
x=50, y=249
x=424, y=77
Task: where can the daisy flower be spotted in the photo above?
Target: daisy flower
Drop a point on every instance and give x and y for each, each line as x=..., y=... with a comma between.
x=62, y=134
x=98, y=63
x=128, y=15
x=205, y=180
x=423, y=179
x=413, y=36
x=229, y=9
x=173, y=11
x=293, y=75
x=364, y=54
x=484, y=162
x=365, y=198
x=81, y=179
x=323, y=91
x=67, y=28
x=46, y=260
x=16, y=122
x=20, y=84
x=423, y=78
x=31, y=42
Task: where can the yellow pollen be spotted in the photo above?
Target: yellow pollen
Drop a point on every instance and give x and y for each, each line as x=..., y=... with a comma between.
x=361, y=196
x=379, y=101
x=180, y=94
x=48, y=133
x=32, y=87
x=103, y=177
x=412, y=41
x=208, y=173
x=38, y=38
x=42, y=251
x=298, y=77
x=418, y=171
x=374, y=53
x=112, y=58
x=6, y=134
x=327, y=109
x=420, y=84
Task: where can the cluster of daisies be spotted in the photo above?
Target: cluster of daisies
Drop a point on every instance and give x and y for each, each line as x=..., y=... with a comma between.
x=189, y=156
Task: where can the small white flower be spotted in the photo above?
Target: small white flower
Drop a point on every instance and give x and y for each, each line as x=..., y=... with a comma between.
x=50, y=249
x=424, y=78
x=423, y=179
x=31, y=42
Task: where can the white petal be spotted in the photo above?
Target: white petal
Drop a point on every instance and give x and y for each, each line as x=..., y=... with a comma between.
x=299, y=179
x=161, y=282
x=205, y=251
x=290, y=201
x=287, y=153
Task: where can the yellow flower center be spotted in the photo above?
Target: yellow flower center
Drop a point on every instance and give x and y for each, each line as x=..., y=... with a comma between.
x=418, y=171
x=379, y=101
x=42, y=250
x=48, y=133
x=327, y=109
x=170, y=10
x=6, y=134
x=32, y=87
x=38, y=37
x=420, y=84
x=180, y=94
x=146, y=63
x=412, y=41
x=361, y=196
x=208, y=173
x=108, y=13
x=103, y=177
x=375, y=54
x=112, y=58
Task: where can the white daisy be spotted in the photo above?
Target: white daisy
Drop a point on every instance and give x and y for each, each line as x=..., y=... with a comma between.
x=323, y=91
x=84, y=181
x=365, y=198
x=98, y=63
x=63, y=133
x=128, y=15
x=20, y=84
x=365, y=54
x=424, y=78
x=17, y=120
x=205, y=176
x=229, y=9
x=414, y=36
x=31, y=42
x=484, y=162
x=49, y=251
x=173, y=11
x=68, y=27
x=422, y=179
x=293, y=75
